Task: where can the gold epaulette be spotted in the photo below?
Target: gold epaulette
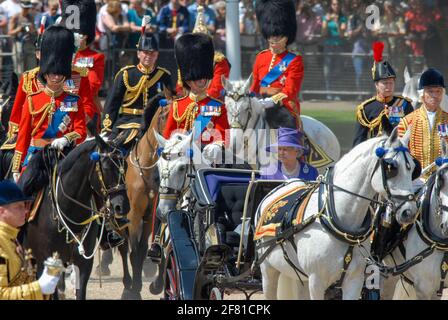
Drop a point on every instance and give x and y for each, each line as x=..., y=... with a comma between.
x=362, y=118
x=123, y=69
x=165, y=70
x=218, y=57
x=28, y=77
x=83, y=71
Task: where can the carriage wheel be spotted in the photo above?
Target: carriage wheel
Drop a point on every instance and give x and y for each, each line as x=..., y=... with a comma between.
x=171, y=283
x=216, y=294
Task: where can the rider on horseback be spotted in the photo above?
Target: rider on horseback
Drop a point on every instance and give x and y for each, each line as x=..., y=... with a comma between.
x=134, y=86
x=277, y=72
x=370, y=113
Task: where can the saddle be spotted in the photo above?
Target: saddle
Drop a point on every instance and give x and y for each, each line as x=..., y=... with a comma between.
x=284, y=212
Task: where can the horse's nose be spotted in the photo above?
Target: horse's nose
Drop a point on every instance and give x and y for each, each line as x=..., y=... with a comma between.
x=407, y=213
x=117, y=209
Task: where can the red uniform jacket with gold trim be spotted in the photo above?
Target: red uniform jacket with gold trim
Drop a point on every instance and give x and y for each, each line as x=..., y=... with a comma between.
x=36, y=114
x=96, y=70
x=29, y=84
x=187, y=108
x=288, y=84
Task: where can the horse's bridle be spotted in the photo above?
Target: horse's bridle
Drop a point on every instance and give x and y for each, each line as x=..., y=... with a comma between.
x=236, y=96
x=441, y=208
x=389, y=170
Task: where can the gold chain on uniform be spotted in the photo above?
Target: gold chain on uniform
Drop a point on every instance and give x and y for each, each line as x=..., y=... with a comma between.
x=375, y=123
x=189, y=115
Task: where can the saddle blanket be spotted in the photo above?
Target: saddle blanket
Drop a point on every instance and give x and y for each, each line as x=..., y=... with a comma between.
x=284, y=210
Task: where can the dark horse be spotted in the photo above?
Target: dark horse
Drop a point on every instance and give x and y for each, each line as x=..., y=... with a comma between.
x=8, y=89
x=90, y=177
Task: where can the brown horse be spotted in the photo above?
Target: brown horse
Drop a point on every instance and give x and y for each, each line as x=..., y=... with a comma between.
x=142, y=189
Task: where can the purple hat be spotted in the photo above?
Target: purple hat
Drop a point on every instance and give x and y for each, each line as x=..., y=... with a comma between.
x=287, y=137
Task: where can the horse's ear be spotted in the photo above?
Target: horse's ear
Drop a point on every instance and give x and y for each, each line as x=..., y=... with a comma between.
x=407, y=75
x=406, y=138
x=248, y=83
x=160, y=139
x=226, y=84
x=393, y=138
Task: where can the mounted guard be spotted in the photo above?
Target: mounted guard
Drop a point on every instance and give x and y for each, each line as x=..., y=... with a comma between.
x=221, y=65
x=383, y=109
x=133, y=88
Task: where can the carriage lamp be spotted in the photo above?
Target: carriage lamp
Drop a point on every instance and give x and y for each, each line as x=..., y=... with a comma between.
x=54, y=265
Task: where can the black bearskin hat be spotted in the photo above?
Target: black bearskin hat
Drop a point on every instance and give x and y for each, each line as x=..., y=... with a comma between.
x=431, y=78
x=56, y=52
x=87, y=23
x=147, y=42
x=194, y=56
x=277, y=18
x=381, y=68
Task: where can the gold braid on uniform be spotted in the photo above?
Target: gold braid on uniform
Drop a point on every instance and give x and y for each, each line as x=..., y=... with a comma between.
x=371, y=125
x=133, y=92
x=189, y=116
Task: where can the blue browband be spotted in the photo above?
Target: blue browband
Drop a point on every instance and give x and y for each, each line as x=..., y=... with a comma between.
x=441, y=161
x=380, y=151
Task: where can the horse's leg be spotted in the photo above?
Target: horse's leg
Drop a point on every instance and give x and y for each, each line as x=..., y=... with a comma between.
x=106, y=259
x=288, y=288
x=61, y=287
x=404, y=291
x=270, y=281
x=127, y=281
x=352, y=285
x=141, y=251
x=317, y=287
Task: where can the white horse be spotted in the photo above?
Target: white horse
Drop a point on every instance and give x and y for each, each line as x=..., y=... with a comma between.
x=425, y=275
x=179, y=158
x=320, y=255
x=411, y=90
x=246, y=117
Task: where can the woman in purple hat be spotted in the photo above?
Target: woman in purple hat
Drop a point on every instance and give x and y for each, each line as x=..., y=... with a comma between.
x=290, y=162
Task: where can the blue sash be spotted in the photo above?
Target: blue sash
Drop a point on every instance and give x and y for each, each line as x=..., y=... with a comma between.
x=205, y=116
x=53, y=127
x=277, y=70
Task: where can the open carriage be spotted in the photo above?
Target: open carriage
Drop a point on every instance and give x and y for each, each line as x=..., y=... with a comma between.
x=210, y=249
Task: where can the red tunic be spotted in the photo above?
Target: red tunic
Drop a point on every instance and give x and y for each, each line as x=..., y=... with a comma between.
x=35, y=121
x=221, y=68
x=288, y=84
x=94, y=61
x=29, y=84
x=186, y=107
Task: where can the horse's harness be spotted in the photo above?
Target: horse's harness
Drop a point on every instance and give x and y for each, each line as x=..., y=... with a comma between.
x=426, y=235
x=235, y=113
x=328, y=218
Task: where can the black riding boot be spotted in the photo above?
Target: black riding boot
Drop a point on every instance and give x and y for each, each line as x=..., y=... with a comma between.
x=155, y=251
x=111, y=239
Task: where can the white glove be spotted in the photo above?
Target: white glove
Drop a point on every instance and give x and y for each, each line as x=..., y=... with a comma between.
x=60, y=143
x=16, y=176
x=267, y=103
x=211, y=152
x=48, y=282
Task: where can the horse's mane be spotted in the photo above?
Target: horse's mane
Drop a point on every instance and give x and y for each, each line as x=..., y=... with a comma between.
x=75, y=154
x=359, y=152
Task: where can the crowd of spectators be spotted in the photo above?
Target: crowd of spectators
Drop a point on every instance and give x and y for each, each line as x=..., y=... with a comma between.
x=410, y=29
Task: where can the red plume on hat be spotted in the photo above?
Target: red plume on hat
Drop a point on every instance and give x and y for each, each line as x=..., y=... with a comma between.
x=144, y=23
x=378, y=48
x=42, y=24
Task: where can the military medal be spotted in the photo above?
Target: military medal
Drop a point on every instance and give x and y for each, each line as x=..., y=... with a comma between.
x=282, y=66
x=442, y=130
x=395, y=114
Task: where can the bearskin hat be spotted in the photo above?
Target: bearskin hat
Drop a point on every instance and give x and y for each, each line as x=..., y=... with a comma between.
x=277, y=18
x=194, y=56
x=87, y=23
x=381, y=68
x=56, y=52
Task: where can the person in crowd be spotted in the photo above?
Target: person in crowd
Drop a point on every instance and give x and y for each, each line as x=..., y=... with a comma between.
x=173, y=21
x=220, y=26
x=51, y=15
x=209, y=15
x=136, y=13
x=309, y=27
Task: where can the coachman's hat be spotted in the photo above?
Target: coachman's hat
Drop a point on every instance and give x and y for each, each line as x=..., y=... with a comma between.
x=277, y=18
x=194, y=56
x=381, y=68
x=56, y=52
x=11, y=193
x=431, y=78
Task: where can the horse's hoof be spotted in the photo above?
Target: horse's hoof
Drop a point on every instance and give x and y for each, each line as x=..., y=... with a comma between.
x=130, y=295
x=156, y=287
x=105, y=271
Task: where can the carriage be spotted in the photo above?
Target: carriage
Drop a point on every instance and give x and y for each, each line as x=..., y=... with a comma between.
x=210, y=250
